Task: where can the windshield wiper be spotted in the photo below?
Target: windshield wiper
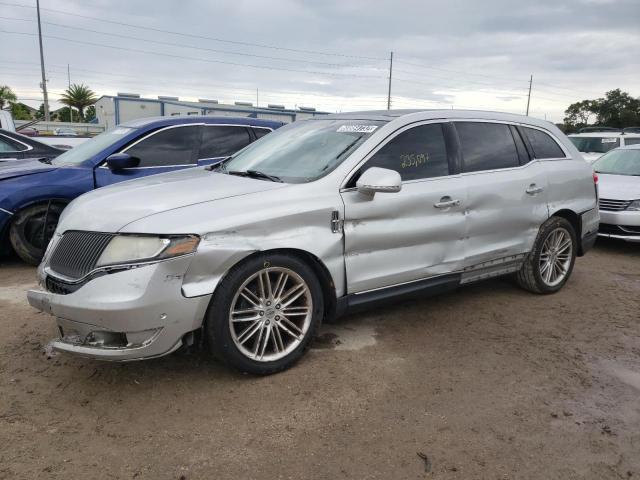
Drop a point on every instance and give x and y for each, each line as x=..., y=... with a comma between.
x=255, y=174
x=44, y=160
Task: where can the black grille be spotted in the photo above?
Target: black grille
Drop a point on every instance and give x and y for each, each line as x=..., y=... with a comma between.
x=77, y=253
x=611, y=205
x=61, y=288
x=626, y=230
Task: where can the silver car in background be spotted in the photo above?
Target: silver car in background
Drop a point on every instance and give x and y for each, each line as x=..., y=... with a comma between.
x=619, y=182
x=319, y=218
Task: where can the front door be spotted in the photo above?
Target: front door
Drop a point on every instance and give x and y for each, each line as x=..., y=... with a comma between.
x=165, y=150
x=419, y=232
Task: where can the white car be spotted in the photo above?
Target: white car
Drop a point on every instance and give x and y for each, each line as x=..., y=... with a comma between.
x=619, y=181
x=593, y=145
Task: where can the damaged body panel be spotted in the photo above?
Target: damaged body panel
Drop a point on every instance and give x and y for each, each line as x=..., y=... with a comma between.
x=355, y=207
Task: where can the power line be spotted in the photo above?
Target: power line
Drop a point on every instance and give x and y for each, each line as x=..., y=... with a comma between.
x=191, y=35
x=182, y=57
x=182, y=45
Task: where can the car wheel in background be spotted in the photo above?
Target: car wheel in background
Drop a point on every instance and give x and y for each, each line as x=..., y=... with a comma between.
x=265, y=313
x=550, y=263
x=29, y=236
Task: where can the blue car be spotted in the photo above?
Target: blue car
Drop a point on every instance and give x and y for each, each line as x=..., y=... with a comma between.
x=34, y=192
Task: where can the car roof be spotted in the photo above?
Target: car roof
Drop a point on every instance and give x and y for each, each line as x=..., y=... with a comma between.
x=181, y=120
x=425, y=114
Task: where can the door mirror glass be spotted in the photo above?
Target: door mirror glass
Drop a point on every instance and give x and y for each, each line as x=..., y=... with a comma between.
x=120, y=161
x=377, y=179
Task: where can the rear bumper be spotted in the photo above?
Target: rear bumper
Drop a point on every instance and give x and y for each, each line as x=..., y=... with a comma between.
x=128, y=315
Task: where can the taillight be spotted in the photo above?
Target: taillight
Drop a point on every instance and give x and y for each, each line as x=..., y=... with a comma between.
x=595, y=178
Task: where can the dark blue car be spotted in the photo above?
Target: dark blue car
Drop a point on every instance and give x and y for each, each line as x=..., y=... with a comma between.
x=34, y=192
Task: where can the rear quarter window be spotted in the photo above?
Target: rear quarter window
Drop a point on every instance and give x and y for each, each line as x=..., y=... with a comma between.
x=542, y=144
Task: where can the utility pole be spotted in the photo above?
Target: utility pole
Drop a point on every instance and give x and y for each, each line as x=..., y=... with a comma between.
x=257, y=98
x=44, y=77
x=390, y=74
x=69, y=84
x=529, y=96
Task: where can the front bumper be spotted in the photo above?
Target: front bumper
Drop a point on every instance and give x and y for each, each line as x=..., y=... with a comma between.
x=126, y=315
x=624, y=225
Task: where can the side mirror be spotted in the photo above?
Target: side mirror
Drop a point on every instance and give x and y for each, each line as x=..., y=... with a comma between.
x=120, y=161
x=377, y=179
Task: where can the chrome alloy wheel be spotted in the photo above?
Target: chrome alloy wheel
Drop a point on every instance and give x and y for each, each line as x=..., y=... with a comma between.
x=555, y=257
x=270, y=314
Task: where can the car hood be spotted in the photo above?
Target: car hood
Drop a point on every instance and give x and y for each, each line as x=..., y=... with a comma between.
x=619, y=187
x=109, y=209
x=591, y=156
x=10, y=168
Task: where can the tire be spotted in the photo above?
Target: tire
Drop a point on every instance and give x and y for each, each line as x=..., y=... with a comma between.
x=27, y=233
x=545, y=271
x=270, y=343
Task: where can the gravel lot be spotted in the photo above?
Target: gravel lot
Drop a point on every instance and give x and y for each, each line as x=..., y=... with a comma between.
x=488, y=382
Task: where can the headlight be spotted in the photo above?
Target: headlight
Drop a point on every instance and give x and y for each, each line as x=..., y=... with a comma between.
x=137, y=248
x=635, y=206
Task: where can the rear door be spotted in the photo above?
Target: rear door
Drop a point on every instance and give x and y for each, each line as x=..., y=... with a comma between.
x=164, y=150
x=507, y=192
x=392, y=238
x=221, y=141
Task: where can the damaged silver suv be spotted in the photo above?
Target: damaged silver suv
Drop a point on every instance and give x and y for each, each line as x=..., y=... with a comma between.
x=315, y=219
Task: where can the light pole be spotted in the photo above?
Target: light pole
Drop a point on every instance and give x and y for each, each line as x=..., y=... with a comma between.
x=44, y=77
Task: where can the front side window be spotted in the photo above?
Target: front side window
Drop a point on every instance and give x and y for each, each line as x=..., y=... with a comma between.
x=632, y=141
x=303, y=151
x=90, y=148
x=595, y=144
x=261, y=132
x=419, y=152
x=172, y=146
x=222, y=141
x=7, y=146
x=543, y=145
x=619, y=162
x=486, y=146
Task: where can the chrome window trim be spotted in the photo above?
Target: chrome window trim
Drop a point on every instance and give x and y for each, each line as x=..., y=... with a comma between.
x=383, y=143
x=28, y=147
x=6, y=211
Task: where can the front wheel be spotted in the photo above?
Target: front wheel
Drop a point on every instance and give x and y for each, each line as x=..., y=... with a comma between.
x=265, y=313
x=31, y=230
x=550, y=263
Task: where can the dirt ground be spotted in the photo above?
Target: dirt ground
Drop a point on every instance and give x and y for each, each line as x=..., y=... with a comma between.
x=488, y=383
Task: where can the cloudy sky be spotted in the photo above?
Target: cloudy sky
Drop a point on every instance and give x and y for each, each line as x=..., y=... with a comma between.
x=331, y=54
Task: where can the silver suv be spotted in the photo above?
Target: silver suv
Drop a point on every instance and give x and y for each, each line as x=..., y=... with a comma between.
x=318, y=218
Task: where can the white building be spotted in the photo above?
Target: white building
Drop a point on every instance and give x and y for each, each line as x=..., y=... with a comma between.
x=114, y=110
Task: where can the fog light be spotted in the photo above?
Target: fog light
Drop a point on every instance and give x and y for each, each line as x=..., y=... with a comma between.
x=106, y=339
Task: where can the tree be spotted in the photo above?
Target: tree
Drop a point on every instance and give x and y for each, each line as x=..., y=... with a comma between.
x=20, y=112
x=617, y=109
x=7, y=96
x=577, y=114
x=78, y=96
x=39, y=115
x=62, y=115
x=91, y=114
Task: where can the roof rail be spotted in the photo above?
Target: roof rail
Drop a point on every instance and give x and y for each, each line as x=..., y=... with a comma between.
x=599, y=129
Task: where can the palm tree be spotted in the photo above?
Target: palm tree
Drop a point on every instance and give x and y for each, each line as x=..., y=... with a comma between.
x=78, y=96
x=6, y=96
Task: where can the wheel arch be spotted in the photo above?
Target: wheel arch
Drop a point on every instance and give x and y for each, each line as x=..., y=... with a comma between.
x=576, y=222
x=318, y=266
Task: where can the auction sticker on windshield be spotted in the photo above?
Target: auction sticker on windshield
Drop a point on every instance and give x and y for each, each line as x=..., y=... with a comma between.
x=356, y=128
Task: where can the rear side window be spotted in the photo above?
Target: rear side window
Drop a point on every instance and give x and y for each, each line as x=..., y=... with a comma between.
x=173, y=146
x=632, y=141
x=419, y=152
x=223, y=141
x=543, y=145
x=261, y=132
x=7, y=145
x=486, y=146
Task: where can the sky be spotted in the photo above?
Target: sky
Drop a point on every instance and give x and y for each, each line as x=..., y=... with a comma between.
x=329, y=54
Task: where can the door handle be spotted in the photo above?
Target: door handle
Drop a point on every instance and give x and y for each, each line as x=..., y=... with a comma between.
x=446, y=202
x=534, y=189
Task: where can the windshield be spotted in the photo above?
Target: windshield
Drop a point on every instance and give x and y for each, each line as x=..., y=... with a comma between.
x=88, y=149
x=619, y=162
x=302, y=151
x=595, y=144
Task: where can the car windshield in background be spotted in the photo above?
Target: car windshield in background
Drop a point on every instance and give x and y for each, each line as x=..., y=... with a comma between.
x=88, y=149
x=620, y=162
x=595, y=144
x=302, y=151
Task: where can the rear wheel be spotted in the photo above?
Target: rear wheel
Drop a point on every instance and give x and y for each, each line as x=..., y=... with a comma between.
x=31, y=230
x=550, y=263
x=265, y=313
